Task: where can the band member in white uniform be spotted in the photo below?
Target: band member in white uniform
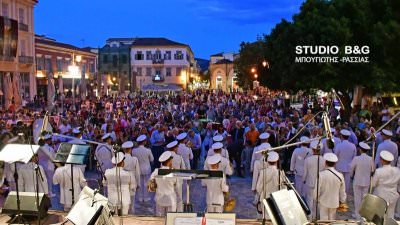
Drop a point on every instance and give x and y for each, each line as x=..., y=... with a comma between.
x=104, y=153
x=78, y=135
x=345, y=151
x=263, y=146
x=27, y=177
x=219, y=139
x=331, y=191
x=386, y=182
x=215, y=187
x=166, y=193
x=120, y=184
x=145, y=158
x=388, y=145
x=131, y=164
x=297, y=163
x=179, y=164
x=184, y=150
x=46, y=156
x=360, y=169
x=224, y=165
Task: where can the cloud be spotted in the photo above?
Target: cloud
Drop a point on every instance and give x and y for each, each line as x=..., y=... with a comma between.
x=244, y=11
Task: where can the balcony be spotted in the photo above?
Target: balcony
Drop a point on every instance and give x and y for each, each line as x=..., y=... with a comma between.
x=158, y=61
x=7, y=58
x=25, y=59
x=157, y=78
x=23, y=27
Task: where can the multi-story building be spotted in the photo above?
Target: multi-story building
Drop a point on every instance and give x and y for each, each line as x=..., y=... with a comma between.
x=54, y=60
x=17, y=50
x=222, y=72
x=114, y=66
x=161, y=62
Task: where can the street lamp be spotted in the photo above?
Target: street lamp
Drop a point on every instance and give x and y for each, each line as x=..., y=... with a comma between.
x=256, y=76
x=253, y=70
x=265, y=63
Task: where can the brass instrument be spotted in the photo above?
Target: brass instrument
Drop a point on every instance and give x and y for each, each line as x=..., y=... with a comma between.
x=152, y=185
x=189, y=144
x=343, y=207
x=230, y=203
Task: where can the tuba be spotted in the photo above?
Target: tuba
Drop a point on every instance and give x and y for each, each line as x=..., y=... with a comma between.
x=230, y=203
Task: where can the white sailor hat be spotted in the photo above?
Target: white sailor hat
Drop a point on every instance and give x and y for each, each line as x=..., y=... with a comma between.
x=127, y=144
x=364, y=145
x=76, y=130
x=214, y=159
x=165, y=156
x=217, y=145
x=305, y=139
x=218, y=138
x=47, y=136
x=181, y=136
x=386, y=155
x=108, y=135
x=120, y=158
x=264, y=136
x=172, y=144
x=387, y=132
x=272, y=156
x=315, y=144
x=141, y=138
x=330, y=157
x=345, y=132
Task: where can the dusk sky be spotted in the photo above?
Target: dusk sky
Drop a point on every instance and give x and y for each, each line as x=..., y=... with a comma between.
x=208, y=26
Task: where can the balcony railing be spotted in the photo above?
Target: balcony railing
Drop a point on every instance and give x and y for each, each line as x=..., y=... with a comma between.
x=25, y=59
x=23, y=27
x=7, y=58
x=158, y=78
x=158, y=61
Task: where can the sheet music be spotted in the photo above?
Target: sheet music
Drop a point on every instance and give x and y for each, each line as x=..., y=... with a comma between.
x=220, y=222
x=188, y=221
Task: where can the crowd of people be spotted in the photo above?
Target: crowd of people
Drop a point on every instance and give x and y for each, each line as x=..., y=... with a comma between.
x=211, y=131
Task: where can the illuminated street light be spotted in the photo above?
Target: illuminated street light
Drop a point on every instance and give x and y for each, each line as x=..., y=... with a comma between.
x=253, y=70
x=255, y=76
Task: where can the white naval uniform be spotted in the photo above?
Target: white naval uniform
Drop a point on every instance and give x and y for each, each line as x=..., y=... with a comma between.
x=361, y=168
x=104, y=154
x=310, y=180
x=46, y=155
x=215, y=194
x=345, y=152
x=27, y=178
x=115, y=194
x=62, y=176
x=397, y=213
x=224, y=153
x=179, y=164
x=297, y=165
x=186, y=154
x=145, y=157
x=256, y=156
x=268, y=183
x=389, y=146
x=258, y=166
x=166, y=193
x=325, y=149
x=131, y=164
x=223, y=166
x=386, y=183
x=79, y=142
x=331, y=193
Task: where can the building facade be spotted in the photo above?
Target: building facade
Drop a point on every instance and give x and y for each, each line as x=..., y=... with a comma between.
x=222, y=72
x=53, y=64
x=17, y=51
x=115, y=66
x=159, y=62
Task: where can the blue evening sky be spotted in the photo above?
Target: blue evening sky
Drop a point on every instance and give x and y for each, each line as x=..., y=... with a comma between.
x=208, y=26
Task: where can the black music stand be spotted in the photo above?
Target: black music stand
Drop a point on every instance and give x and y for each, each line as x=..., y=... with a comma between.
x=189, y=175
x=72, y=154
x=18, y=153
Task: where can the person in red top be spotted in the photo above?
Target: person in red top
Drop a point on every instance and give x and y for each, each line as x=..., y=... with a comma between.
x=252, y=134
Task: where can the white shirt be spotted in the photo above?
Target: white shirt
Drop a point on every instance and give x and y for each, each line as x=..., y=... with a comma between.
x=62, y=176
x=270, y=180
x=345, y=152
x=389, y=146
x=297, y=160
x=224, y=153
x=258, y=166
x=311, y=169
x=223, y=166
x=131, y=164
x=186, y=154
x=331, y=188
x=145, y=157
x=166, y=193
x=104, y=155
x=27, y=178
x=177, y=162
x=386, y=183
x=362, y=167
x=215, y=190
x=257, y=156
x=46, y=156
x=325, y=148
x=128, y=184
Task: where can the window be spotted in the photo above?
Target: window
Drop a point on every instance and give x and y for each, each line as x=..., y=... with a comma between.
x=124, y=59
x=167, y=55
x=139, y=71
x=219, y=81
x=168, y=72
x=105, y=58
x=115, y=60
x=178, y=71
x=39, y=63
x=4, y=9
x=92, y=67
x=59, y=65
x=21, y=14
x=148, y=71
x=148, y=55
x=178, y=55
x=84, y=68
x=157, y=55
x=139, y=55
x=49, y=67
x=22, y=47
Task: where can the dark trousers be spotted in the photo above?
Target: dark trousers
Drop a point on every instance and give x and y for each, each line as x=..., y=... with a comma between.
x=157, y=151
x=196, y=157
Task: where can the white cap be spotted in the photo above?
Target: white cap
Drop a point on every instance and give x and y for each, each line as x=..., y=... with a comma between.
x=214, y=159
x=165, y=156
x=76, y=130
x=181, y=136
x=127, y=144
x=387, y=132
x=141, y=138
x=217, y=145
x=364, y=145
x=120, y=158
x=305, y=139
x=345, y=132
x=272, y=156
x=172, y=144
x=330, y=157
x=386, y=155
x=314, y=144
x=47, y=136
x=218, y=138
x=264, y=136
x=106, y=136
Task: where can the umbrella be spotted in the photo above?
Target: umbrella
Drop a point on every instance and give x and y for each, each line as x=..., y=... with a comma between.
x=8, y=93
x=16, y=90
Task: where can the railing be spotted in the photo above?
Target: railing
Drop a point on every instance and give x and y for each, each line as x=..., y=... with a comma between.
x=25, y=59
x=7, y=58
x=158, y=61
x=23, y=27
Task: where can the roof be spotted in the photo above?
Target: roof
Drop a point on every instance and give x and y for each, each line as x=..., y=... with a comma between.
x=60, y=44
x=120, y=39
x=203, y=63
x=224, y=61
x=156, y=42
x=218, y=54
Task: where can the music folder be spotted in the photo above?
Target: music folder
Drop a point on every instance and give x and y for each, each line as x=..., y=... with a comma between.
x=23, y=153
x=195, y=174
x=69, y=153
